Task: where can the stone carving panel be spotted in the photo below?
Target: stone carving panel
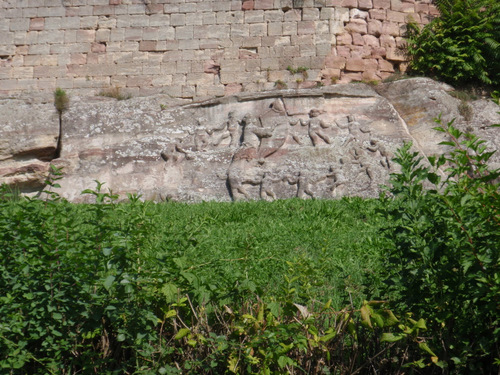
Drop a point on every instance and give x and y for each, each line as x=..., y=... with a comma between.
x=313, y=144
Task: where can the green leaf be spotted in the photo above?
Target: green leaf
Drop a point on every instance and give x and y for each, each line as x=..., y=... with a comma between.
x=391, y=337
x=108, y=282
x=182, y=333
x=121, y=337
x=423, y=346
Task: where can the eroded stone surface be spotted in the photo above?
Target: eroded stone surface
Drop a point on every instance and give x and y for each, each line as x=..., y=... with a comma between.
x=28, y=140
x=318, y=143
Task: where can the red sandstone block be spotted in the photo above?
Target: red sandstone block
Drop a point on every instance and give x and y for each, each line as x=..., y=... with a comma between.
x=232, y=88
x=407, y=7
x=377, y=14
x=433, y=11
x=350, y=3
x=335, y=62
x=396, y=16
x=371, y=64
x=422, y=8
x=382, y=4
x=390, y=28
x=344, y=39
x=396, y=5
x=247, y=5
x=306, y=27
x=357, y=39
x=387, y=41
x=371, y=40
x=264, y=4
x=374, y=27
x=115, y=2
x=344, y=51
x=385, y=66
x=98, y=47
x=357, y=26
x=349, y=77
x=78, y=58
x=395, y=54
x=365, y=4
x=37, y=24
x=378, y=52
x=355, y=65
x=361, y=52
x=371, y=75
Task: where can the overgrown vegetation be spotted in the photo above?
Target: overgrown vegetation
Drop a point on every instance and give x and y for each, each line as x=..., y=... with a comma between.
x=444, y=265
x=461, y=46
x=213, y=288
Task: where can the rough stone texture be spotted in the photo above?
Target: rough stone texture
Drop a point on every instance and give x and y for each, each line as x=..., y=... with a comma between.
x=158, y=46
x=323, y=143
x=28, y=141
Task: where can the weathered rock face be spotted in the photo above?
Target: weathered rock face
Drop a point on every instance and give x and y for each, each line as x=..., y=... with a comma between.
x=318, y=143
x=28, y=140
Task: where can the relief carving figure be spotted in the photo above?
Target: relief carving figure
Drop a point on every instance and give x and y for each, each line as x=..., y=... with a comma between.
x=357, y=132
x=360, y=158
x=304, y=184
x=253, y=132
x=245, y=170
x=338, y=179
x=176, y=152
x=276, y=124
x=233, y=127
x=266, y=186
x=228, y=133
x=376, y=146
x=170, y=153
x=316, y=128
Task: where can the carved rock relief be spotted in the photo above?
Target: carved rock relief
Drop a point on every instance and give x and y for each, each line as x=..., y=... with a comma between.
x=314, y=153
x=317, y=143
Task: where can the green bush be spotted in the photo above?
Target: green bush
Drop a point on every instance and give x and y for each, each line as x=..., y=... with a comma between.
x=139, y=288
x=445, y=263
x=462, y=46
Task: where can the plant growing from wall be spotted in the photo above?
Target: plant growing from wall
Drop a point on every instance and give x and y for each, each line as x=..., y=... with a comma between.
x=461, y=46
x=61, y=102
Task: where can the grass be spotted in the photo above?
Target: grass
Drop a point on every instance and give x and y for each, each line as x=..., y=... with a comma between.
x=115, y=93
x=336, y=241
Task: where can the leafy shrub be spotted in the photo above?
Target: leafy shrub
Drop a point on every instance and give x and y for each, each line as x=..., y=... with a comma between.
x=113, y=288
x=461, y=46
x=445, y=263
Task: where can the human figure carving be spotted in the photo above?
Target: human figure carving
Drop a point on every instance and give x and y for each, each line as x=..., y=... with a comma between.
x=357, y=132
x=360, y=158
x=245, y=169
x=316, y=128
x=233, y=126
x=376, y=146
x=253, y=132
x=303, y=182
x=266, y=186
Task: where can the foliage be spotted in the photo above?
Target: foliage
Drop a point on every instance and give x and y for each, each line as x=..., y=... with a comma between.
x=141, y=288
x=61, y=100
x=115, y=93
x=444, y=264
x=461, y=46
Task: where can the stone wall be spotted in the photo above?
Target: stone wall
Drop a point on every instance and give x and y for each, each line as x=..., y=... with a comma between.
x=199, y=48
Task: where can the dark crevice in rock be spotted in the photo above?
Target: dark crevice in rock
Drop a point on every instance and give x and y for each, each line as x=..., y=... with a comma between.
x=45, y=154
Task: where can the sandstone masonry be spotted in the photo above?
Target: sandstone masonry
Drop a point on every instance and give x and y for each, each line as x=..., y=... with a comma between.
x=200, y=48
